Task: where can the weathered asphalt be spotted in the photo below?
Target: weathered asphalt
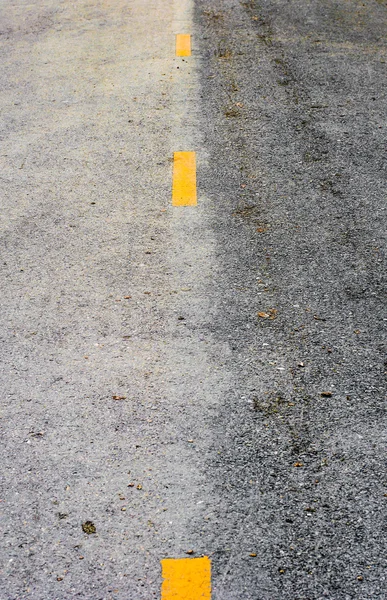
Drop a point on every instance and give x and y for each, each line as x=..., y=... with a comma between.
x=285, y=105
x=295, y=122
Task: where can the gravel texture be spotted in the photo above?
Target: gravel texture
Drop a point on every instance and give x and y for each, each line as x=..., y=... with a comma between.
x=206, y=379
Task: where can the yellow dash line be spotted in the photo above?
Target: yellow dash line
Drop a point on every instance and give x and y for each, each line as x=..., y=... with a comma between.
x=184, y=179
x=186, y=579
x=183, y=44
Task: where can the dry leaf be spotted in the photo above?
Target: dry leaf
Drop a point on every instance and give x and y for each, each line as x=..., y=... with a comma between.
x=89, y=527
x=252, y=554
x=139, y=487
x=326, y=394
x=271, y=314
x=298, y=464
x=119, y=397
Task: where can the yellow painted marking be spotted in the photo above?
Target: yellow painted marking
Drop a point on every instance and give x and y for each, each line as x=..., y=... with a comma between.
x=186, y=579
x=183, y=44
x=184, y=179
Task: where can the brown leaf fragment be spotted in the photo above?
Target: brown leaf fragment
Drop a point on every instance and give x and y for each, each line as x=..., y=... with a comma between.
x=253, y=554
x=270, y=314
x=127, y=297
x=130, y=484
x=139, y=487
x=360, y=578
x=89, y=527
x=298, y=464
x=189, y=552
x=119, y=397
x=326, y=394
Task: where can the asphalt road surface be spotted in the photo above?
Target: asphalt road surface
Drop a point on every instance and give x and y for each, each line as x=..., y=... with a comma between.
x=182, y=382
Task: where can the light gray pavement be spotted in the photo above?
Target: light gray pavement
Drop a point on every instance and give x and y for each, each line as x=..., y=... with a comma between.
x=285, y=106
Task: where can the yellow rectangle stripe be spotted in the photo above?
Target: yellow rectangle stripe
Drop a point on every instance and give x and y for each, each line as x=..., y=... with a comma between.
x=183, y=44
x=184, y=179
x=186, y=579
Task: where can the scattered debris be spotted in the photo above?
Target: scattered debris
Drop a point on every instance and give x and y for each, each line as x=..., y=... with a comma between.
x=89, y=527
x=270, y=314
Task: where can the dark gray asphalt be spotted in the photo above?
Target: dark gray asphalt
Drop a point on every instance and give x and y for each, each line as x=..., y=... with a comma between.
x=294, y=115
